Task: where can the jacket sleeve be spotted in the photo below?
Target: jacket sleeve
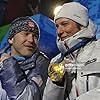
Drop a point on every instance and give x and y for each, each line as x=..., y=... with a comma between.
x=3, y=94
x=40, y=73
x=90, y=95
x=15, y=82
x=53, y=92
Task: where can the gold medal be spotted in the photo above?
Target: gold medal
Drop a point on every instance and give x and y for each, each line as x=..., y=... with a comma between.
x=56, y=71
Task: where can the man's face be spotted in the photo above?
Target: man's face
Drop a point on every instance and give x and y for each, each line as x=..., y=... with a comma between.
x=23, y=44
x=66, y=28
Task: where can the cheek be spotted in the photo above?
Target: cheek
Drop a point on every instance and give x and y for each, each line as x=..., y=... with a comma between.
x=17, y=42
x=72, y=29
x=69, y=31
x=17, y=45
x=35, y=41
x=68, y=28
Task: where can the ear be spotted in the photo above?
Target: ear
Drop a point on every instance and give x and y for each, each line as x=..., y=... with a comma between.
x=10, y=41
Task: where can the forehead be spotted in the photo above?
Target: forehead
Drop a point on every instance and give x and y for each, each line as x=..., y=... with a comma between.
x=62, y=20
x=26, y=32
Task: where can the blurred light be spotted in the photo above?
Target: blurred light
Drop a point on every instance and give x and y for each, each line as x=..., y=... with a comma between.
x=56, y=10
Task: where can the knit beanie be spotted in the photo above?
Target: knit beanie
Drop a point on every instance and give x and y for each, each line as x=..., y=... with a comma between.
x=23, y=24
x=74, y=11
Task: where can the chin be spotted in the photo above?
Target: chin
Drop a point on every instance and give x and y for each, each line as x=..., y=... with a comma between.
x=28, y=54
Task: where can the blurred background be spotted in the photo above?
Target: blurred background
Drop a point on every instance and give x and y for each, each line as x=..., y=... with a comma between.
x=10, y=9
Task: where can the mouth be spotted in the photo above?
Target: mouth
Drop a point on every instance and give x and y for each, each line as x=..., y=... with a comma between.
x=29, y=47
x=64, y=37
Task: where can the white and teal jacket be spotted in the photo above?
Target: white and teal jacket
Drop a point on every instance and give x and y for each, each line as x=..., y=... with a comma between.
x=83, y=83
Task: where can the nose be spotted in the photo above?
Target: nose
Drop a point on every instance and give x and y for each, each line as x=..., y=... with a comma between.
x=60, y=30
x=30, y=38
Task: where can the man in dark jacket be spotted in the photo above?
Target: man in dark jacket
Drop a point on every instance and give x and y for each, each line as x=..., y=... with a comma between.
x=24, y=68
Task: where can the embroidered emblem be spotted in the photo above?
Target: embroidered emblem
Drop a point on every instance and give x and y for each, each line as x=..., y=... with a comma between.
x=38, y=79
x=31, y=24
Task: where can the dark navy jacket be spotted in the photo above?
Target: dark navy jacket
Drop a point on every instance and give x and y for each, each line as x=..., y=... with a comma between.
x=25, y=80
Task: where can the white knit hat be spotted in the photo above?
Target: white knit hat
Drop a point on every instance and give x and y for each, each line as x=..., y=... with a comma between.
x=74, y=11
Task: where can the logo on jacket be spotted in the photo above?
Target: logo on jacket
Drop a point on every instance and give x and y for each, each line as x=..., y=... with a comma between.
x=91, y=61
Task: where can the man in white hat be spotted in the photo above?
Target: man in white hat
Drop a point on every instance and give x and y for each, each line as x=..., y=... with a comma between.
x=74, y=74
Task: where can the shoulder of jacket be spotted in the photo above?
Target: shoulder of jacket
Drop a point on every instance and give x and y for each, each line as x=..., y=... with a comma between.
x=97, y=43
x=90, y=51
x=42, y=54
x=56, y=58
